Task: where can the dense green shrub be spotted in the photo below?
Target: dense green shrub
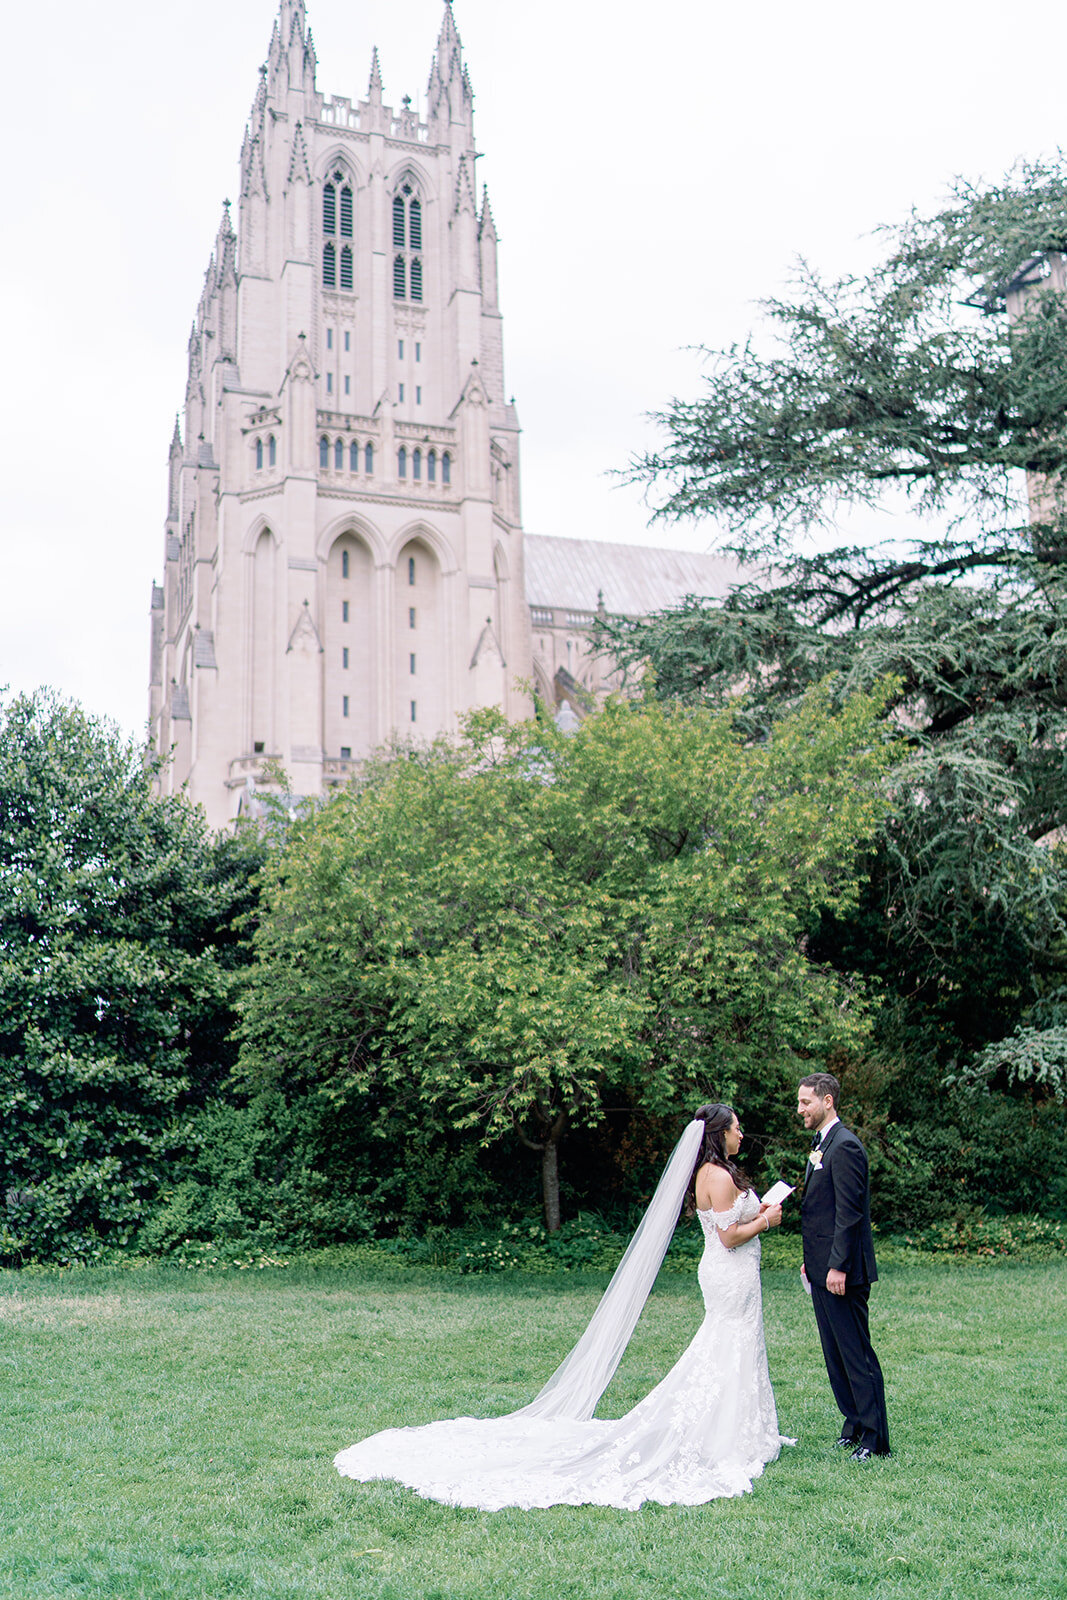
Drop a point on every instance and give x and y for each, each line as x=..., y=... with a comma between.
x=117, y=961
x=295, y=1170
x=992, y=1238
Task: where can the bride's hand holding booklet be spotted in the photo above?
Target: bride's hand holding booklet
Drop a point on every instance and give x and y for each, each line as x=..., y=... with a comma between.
x=776, y=1194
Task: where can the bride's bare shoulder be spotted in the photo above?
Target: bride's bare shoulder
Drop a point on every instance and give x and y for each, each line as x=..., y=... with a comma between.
x=715, y=1189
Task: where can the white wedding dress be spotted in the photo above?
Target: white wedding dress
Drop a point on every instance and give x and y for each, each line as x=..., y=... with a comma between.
x=703, y=1433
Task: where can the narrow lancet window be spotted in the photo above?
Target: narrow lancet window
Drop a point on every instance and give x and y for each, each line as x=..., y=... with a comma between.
x=329, y=267
x=259, y=453
x=402, y=461
x=329, y=209
x=339, y=457
x=324, y=452
x=346, y=212
x=368, y=460
x=353, y=456
x=346, y=267
x=407, y=237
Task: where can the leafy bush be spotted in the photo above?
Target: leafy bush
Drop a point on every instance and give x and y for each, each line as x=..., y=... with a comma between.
x=1037, y=1238
x=116, y=973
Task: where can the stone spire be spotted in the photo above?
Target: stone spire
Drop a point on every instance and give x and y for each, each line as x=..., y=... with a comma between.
x=174, y=465
x=487, y=243
x=374, y=87
x=465, y=200
x=449, y=95
x=225, y=257
x=299, y=170
x=292, y=22
x=291, y=60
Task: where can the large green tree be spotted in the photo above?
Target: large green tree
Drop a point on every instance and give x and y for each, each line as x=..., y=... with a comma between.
x=936, y=388
x=523, y=924
x=117, y=960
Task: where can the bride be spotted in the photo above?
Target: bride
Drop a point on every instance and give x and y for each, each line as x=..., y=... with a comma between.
x=704, y=1432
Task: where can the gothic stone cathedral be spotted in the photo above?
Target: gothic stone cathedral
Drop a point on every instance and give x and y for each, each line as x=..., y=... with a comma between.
x=345, y=559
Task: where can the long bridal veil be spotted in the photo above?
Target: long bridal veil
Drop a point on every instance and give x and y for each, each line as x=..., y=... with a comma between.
x=578, y=1382
x=706, y=1430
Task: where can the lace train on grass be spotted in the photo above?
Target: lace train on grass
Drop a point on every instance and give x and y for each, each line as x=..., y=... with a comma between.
x=703, y=1433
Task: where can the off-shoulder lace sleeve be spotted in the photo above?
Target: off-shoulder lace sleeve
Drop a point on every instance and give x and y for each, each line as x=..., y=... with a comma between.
x=724, y=1219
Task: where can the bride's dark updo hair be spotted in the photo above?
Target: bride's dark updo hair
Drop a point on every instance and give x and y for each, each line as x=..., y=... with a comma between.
x=716, y=1118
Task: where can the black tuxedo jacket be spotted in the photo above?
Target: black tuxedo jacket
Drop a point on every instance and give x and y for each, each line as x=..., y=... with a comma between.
x=835, y=1211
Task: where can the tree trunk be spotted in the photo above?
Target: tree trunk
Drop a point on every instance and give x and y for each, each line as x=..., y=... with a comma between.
x=548, y=1149
x=550, y=1182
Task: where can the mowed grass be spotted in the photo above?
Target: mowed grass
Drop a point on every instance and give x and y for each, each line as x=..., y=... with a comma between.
x=171, y=1435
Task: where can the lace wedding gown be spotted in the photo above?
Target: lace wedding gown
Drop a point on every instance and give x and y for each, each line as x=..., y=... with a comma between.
x=703, y=1433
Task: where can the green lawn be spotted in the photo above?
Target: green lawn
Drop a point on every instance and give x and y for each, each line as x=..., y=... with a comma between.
x=171, y=1435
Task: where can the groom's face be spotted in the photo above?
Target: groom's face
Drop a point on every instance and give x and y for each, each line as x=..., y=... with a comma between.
x=812, y=1109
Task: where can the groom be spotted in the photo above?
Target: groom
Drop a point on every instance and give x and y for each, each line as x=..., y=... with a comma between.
x=835, y=1225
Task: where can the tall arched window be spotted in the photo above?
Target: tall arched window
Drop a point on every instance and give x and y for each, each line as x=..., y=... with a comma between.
x=407, y=239
x=324, y=452
x=259, y=453
x=272, y=451
x=368, y=460
x=431, y=466
x=402, y=461
x=344, y=563
x=338, y=454
x=353, y=456
x=337, y=219
x=416, y=465
x=446, y=468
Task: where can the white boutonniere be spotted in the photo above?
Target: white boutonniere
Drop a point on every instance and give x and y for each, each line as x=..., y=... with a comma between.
x=816, y=1160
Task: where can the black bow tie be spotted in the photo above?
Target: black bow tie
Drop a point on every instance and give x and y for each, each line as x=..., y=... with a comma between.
x=816, y=1140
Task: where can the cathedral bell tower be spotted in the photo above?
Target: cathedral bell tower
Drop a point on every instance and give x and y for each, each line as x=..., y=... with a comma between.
x=343, y=544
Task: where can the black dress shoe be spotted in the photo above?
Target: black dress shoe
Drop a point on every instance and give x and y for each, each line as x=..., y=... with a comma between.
x=862, y=1453
x=846, y=1442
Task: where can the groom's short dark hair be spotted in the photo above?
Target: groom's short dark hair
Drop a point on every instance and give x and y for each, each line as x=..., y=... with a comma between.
x=824, y=1083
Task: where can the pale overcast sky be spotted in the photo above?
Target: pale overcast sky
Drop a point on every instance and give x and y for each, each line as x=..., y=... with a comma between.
x=653, y=168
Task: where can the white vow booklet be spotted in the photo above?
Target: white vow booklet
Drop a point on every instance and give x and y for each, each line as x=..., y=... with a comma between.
x=777, y=1193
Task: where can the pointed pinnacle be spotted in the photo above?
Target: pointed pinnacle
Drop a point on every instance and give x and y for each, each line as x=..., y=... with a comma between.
x=449, y=31
x=375, y=71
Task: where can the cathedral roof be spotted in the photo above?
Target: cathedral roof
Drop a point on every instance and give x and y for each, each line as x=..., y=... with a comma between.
x=633, y=579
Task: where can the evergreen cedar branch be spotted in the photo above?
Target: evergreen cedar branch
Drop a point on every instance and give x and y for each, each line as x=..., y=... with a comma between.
x=916, y=380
